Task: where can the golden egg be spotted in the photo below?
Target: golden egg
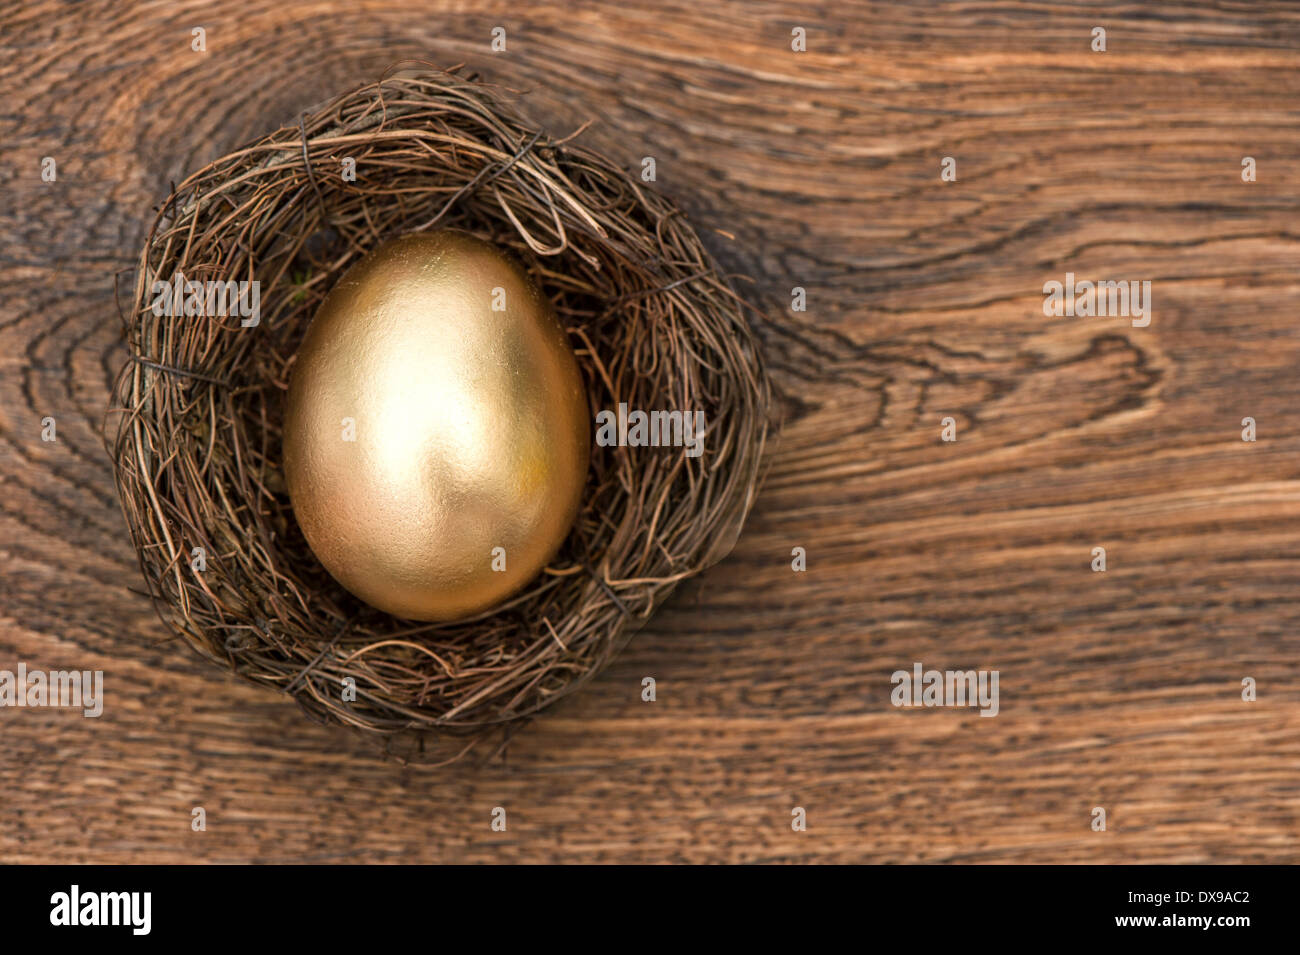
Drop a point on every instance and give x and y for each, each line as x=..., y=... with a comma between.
x=436, y=433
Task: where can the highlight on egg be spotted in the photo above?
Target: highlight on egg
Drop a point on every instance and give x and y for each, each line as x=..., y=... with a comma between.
x=436, y=431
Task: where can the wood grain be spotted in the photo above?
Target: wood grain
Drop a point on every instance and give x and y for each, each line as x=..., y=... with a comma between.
x=1119, y=689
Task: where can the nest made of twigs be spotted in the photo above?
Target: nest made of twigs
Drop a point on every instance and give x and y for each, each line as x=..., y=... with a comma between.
x=197, y=448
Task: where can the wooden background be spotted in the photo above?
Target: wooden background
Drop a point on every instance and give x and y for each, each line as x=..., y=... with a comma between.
x=1120, y=690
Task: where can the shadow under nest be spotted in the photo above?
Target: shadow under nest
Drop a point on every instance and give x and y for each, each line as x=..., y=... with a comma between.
x=199, y=402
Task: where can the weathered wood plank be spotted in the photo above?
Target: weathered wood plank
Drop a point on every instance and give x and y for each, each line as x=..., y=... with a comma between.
x=1120, y=689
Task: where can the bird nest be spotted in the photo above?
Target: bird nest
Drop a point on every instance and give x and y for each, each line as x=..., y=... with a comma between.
x=197, y=444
